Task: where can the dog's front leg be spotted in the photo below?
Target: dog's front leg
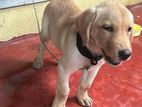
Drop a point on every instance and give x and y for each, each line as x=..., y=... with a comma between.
x=85, y=83
x=62, y=89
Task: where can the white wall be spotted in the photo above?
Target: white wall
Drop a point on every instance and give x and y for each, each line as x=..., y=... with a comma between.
x=13, y=3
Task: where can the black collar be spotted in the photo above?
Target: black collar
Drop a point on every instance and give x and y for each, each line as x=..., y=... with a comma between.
x=94, y=58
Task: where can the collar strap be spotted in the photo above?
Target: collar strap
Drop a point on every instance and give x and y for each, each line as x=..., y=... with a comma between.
x=94, y=58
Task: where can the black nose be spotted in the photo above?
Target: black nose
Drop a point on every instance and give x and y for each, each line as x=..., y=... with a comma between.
x=124, y=54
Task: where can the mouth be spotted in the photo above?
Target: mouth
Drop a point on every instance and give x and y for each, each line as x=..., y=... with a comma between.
x=110, y=60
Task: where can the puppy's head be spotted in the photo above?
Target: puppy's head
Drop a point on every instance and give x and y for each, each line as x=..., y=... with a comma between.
x=107, y=30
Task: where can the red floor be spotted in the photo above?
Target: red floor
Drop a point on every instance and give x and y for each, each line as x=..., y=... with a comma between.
x=21, y=86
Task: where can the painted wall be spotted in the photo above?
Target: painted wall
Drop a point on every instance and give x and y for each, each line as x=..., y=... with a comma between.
x=21, y=20
x=18, y=21
x=12, y=3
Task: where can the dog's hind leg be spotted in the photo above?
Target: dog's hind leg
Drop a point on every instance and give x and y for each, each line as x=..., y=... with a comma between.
x=44, y=37
x=85, y=83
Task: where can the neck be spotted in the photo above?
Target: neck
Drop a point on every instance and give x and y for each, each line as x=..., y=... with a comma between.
x=94, y=58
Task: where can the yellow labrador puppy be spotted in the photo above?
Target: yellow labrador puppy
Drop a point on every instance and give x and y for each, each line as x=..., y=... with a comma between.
x=86, y=39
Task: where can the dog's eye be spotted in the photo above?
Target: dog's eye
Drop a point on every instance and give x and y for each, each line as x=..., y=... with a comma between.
x=108, y=28
x=129, y=29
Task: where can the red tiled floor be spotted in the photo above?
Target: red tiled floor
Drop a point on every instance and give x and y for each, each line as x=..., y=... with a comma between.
x=21, y=86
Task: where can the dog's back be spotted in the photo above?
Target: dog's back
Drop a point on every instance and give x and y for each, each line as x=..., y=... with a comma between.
x=60, y=15
x=61, y=10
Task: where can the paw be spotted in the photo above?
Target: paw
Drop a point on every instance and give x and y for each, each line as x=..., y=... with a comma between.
x=37, y=64
x=59, y=104
x=86, y=102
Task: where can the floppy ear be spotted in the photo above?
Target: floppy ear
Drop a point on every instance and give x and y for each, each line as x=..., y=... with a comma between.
x=83, y=24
